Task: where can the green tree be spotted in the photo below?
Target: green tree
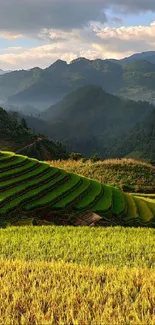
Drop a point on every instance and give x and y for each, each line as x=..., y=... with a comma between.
x=23, y=124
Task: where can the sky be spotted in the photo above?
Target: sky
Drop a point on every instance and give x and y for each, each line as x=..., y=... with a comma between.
x=39, y=32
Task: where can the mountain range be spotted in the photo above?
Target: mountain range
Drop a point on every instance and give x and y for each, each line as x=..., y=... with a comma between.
x=132, y=77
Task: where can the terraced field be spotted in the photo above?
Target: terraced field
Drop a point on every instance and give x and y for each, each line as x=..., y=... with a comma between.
x=33, y=191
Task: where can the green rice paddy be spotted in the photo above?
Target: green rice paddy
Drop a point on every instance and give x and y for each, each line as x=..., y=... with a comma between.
x=29, y=187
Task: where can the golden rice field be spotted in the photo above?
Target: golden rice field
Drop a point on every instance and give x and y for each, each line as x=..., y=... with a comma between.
x=69, y=275
x=59, y=293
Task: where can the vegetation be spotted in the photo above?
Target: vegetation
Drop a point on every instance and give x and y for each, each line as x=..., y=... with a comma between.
x=33, y=190
x=89, y=246
x=63, y=275
x=127, y=174
x=59, y=293
x=15, y=136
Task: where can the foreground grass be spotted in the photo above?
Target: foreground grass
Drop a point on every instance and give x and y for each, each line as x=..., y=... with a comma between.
x=59, y=293
x=71, y=276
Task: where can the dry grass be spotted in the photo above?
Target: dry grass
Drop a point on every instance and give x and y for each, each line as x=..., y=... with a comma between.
x=127, y=174
x=124, y=161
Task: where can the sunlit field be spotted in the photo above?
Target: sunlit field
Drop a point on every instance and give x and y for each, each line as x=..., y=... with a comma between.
x=67, y=275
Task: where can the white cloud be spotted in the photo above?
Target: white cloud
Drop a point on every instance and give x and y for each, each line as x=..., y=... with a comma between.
x=128, y=33
x=91, y=42
x=39, y=56
x=9, y=35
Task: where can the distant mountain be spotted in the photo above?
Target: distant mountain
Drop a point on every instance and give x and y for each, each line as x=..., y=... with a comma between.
x=148, y=56
x=25, y=109
x=132, y=77
x=15, y=136
x=90, y=120
x=52, y=84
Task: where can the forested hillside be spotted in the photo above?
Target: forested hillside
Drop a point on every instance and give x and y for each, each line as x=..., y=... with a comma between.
x=90, y=120
x=140, y=142
x=15, y=135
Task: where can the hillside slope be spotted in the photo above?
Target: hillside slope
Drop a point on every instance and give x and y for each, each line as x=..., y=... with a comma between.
x=34, y=190
x=128, y=175
x=15, y=136
x=90, y=120
x=141, y=141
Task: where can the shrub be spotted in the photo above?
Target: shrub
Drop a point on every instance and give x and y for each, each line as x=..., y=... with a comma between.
x=75, y=156
x=95, y=158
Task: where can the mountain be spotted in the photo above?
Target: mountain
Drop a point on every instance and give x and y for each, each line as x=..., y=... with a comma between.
x=25, y=109
x=14, y=135
x=140, y=142
x=3, y=72
x=148, y=56
x=90, y=120
x=53, y=83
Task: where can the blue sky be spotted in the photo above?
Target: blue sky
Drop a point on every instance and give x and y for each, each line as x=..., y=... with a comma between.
x=37, y=32
x=134, y=19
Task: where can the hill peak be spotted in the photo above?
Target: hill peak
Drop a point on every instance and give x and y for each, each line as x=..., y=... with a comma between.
x=58, y=63
x=80, y=59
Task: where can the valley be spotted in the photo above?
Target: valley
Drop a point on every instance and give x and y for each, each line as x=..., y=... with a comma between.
x=77, y=192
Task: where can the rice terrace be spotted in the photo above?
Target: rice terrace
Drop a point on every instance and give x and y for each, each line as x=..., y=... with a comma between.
x=34, y=190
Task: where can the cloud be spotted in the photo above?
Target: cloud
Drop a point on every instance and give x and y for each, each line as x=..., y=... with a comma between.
x=144, y=34
x=124, y=41
x=31, y=16
x=92, y=42
x=9, y=35
x=20, y=58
